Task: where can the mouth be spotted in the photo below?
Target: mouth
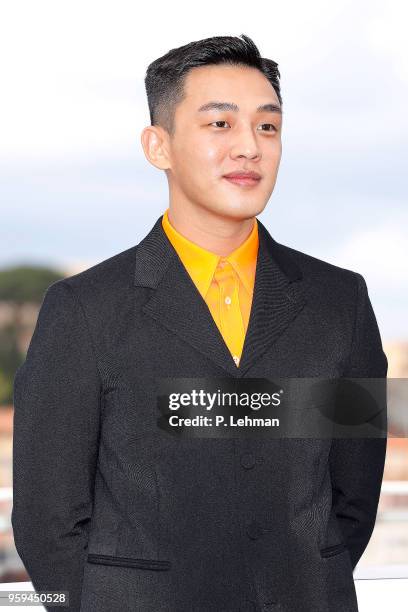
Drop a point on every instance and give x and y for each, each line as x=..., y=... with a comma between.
x=243, y=180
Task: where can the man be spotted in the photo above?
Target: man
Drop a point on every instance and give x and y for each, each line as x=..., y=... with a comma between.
x=107, y=505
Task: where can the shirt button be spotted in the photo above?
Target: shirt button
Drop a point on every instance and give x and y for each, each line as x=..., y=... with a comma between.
x=254, y=530
x=228, y=300
x=236, y=359
x=248, y=460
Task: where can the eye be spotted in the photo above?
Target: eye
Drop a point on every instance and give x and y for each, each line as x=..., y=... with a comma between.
x=271, y=125
x=273, y=128
x=214, y=122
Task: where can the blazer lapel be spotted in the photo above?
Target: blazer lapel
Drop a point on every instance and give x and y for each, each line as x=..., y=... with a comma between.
x=177, y=304
x=278, y=298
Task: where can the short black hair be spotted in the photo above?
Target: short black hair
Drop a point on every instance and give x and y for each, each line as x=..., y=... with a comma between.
x=165, y=76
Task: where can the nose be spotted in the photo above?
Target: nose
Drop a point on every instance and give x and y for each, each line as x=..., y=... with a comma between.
x=245, y=145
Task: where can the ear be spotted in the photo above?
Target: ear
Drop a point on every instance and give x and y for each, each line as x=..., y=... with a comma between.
x=155, y=146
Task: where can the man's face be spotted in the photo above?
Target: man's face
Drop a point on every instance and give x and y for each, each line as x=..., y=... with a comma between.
x=207, y=144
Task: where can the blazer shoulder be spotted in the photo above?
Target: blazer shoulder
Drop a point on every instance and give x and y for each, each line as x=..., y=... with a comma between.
x=109, y=275
x=314, y=268
x=325, y=282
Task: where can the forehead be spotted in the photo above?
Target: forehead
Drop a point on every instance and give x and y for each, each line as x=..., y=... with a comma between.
x=243, y=85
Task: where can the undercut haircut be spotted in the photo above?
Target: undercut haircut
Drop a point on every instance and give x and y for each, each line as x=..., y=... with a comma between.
x=165, y=76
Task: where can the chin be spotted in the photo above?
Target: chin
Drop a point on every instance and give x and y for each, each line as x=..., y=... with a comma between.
x=241, y=210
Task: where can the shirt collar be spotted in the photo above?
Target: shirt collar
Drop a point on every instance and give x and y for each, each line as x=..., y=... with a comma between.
x=201, y=263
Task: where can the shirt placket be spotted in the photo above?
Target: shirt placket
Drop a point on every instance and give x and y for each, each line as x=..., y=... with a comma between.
x=230, y=313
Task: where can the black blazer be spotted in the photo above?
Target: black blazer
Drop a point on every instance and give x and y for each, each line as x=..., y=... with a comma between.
x=126, y=517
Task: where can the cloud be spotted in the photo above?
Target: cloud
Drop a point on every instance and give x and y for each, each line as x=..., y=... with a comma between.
x=379, y=252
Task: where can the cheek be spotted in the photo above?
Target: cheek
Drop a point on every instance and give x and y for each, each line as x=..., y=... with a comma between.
x=271, y=157
x=206, y=147
x=277, y=149
x=206, y=160
x=211, y=153
x=200, y=150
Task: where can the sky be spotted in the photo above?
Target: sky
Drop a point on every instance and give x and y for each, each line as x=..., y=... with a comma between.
x=76, y=188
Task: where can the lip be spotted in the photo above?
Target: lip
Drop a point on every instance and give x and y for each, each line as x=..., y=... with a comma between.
x=243, y=178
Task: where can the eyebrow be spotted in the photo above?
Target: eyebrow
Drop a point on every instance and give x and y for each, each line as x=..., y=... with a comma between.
x=230, y=106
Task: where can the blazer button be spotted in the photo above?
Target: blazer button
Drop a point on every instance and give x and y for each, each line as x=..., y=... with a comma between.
x=254, y=530
x=248, y=460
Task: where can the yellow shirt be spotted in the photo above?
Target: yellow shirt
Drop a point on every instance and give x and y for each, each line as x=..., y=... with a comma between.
x=225, y=283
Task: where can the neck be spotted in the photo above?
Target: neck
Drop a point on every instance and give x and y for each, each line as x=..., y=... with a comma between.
x=211, y=230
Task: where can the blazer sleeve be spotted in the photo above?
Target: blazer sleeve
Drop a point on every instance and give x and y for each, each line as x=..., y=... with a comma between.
x=57, y=394
x=357, y=464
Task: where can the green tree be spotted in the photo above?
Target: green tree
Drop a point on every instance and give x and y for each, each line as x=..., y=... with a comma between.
x=18, y=285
